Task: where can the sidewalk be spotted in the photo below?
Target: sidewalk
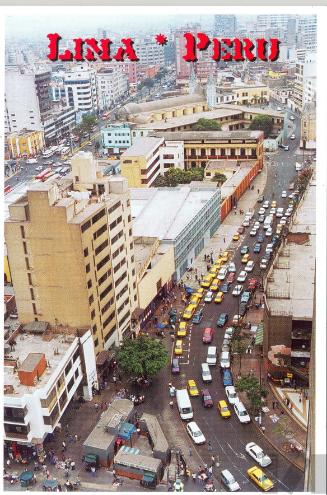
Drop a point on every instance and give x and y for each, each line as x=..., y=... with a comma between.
x=222, y=239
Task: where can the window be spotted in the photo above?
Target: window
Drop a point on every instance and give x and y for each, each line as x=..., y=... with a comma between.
x=118, y=236
x=105, y=292
x=32, y=294
x=108, y=320
x=96, y=342
x=22, y=231
x=86, y=252
x=93, y=314
x=25, y=248
x=91, y=299
x=68, y=368
x=103, y=262
x=89, y=284
x=94, y=329
x=98, y=216
x=100, y=231
x=70, y=384
x=29, y=279
x=115, y=222
x=114, y=207
x=86, y=226
x=87, y=268
x=104, y=277
x=102, y=246
x=119, y=265
x=34, y=309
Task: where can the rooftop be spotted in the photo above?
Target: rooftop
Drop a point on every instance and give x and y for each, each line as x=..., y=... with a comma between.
x=143, y=146
x=229, y=164
x=210, y=135
x=147, y=250
x=162, y=104
x=165, y=212
x=290, y=288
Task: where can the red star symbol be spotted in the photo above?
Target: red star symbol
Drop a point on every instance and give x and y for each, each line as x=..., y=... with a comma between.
x=161, y=39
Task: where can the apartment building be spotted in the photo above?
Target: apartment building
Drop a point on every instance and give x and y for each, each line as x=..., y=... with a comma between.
x=81, y=89
x=304, y=90
x=112, y=84
x=116, y=138
x=59, y=124
x=43, y=369
x=140, y=164
x=308, y=126
x=70, y=250
x=149, y=52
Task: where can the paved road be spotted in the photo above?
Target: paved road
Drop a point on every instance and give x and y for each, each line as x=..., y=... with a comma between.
x=229, y=437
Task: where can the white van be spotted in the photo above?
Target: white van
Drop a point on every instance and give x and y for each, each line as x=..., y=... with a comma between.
x=267, y=223
x=212, y=355
x=184, y=404
x=224, y=360
x=206, y=374
x=222, y=273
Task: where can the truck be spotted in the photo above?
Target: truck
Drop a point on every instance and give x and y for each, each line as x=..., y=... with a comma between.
x=184, y=404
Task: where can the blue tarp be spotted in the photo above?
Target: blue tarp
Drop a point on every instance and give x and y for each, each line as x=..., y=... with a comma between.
x=126, y=430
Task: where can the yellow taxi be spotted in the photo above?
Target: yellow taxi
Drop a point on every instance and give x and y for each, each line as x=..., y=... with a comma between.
x=192, y=388
x=273, y=204
x=236, y=237
x=189, y=311
x=206, y=282
x=182, y=329
x=199, y=292
x=223, y=409
x=218, y=261
x=195, y=299
x=260, y=479
x=178, y=347
x=219, y=297
x=279, y=228
x=213, y=270
x=245, y=258
x=225, y=256
x=215, y=285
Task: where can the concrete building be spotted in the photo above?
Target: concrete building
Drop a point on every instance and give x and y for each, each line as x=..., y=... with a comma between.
x=44, y=367
x=81, y=89
x=242, y=93
x=116, y=138
x=149, y=52
x=289, y=291
x=59, y=124
x=26, y=98
x=171, y=156
x=308, y=126
x=140, y=164
x=225, y=25
x=25, y=143
x=112, y=84
x=304, y=90
x=183, y=67
x=184, y=217
x=71, y=253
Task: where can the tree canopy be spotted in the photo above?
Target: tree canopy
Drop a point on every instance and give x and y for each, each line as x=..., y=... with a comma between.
x=262, y=123
x=250, y=385
x=142, y=357
x=88, y=121
x=207, y=125
x=175, y=176
x=218, y=177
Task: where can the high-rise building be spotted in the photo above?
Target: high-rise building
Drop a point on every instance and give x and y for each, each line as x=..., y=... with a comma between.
x=71, y=253
x=27, y=97
x=81, y=89
x=183, y=67
x=225, y=25
x=112, y=84
x=149, y=52
x=308, y=32
x=304, y=90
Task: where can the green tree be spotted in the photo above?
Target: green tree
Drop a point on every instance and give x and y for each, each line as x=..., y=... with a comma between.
x=254, y=392
x=88, y=122
x=142, y=357
x=218, y=177
x=175, y=176
x=262, y=123
x=207, y=125
x=239, y=346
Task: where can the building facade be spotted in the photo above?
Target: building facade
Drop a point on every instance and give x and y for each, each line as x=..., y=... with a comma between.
x=116, y=138
x=71, y=240
x=140, y=164
x=112, y=84
x=59, y=124
x=308, y=127
x=81, y=89
x=25, y=143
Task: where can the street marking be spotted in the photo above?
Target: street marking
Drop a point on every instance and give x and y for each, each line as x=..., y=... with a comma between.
x=239, y=455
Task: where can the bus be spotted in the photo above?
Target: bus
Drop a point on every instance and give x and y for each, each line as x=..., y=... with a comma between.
x=8, y=189
x=43, y=174
x=65, y=151
x=47, y=176
x=184, y=404
x=52, y=176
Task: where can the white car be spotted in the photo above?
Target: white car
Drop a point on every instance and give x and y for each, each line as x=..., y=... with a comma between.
x=292, y=117
x=231, y=395
x=195, y=433
x=288, y=213
x=279, y=109
x=293, y=136
x=284, y=194
x=253, y=232
x=269, y=248
x=249, y=266
x=249, y=214
x=208, y=297
x=229, y=332
x=229, y=481
x=241, y=413
x=272, y=211
x=257, y=454
x=256, y=225
x=237, y=290
x=30, y=161
x=242, y=276
x=279, y=212
x=246, y=222
x=265, y=204
x=283, y=221
x=39, y=168
x=262, y=211
x=269, y=232
x=263, y=264
x=231, y=267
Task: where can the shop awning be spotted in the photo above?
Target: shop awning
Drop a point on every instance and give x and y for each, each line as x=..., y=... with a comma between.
x=259, y=334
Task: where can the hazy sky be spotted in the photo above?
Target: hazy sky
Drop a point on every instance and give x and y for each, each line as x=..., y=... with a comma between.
x=39, y=27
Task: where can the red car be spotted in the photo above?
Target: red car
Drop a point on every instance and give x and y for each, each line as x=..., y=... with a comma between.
x=253, y=284
x=207, y=335
x=231, y=278
x=206, y=398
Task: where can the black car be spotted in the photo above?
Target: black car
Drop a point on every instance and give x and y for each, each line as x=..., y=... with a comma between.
x=225, y=287
x=175, y=369
x=243, y=309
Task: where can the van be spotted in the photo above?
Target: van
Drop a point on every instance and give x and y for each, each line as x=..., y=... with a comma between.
x=205, y=373
x=267, y=222
x=212, y=355
x=222, y=273
x=224, y=360
x=184, y=404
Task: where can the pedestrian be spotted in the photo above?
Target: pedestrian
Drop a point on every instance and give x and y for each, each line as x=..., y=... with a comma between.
x=258, y=191
x=224, y=240
x=66, y=474
x=273, y=404
x=171, y=403
x=96, y=407
x=209, y=446
x=64, y=448
x=210, y=469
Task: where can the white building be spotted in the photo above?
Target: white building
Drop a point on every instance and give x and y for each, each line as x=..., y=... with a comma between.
x=171, y=156
x=58, y=124
x=81, y=89
x=116, y=138
x=42, y=372
x=112, y=84
x=304, y=90
x=149, y=52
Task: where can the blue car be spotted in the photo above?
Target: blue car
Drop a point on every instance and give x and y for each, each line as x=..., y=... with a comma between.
x=197, y=317
x=245, y=297
x=244, y=249
x=227, y=378
x=222, y=320
x=224, y=288
x=260, y=238
x=257, y=248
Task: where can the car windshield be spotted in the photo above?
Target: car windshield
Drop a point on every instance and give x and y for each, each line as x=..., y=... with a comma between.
x=197, y=433
x=259, y=454
x=207, y=397
x=243, y=413
x=232, y=395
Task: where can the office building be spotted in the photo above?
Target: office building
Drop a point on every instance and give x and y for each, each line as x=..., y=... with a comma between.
x=81, y=89
x=70, y=250
x=116, y=138
x=225, y=26
x=112, y=85
x=58, y=124
x=140, y=164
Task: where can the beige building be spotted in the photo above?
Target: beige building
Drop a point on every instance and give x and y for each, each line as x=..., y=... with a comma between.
x=25, y=143
x=71, y=253
x=308, y=126
x=140, y=164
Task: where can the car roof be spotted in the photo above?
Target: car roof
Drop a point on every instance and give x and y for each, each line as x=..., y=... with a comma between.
x=255, y=447
x=227, y=474
x=223, y=403
x=191, y=382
